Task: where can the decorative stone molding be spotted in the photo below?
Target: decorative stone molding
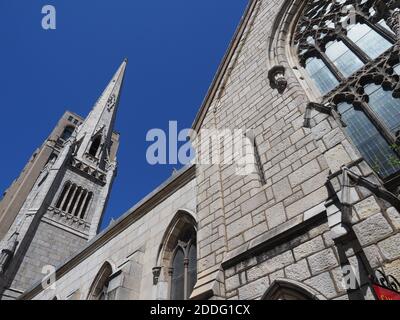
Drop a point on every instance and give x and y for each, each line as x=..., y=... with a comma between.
x=156, y=275
x=326, y=108
x=277, y=79
x=8, y=253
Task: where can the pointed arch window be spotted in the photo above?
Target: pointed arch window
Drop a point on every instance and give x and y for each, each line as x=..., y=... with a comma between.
x=177, y=258
x=99, y=287
x=94, y=147
x=348, y=50
x=183, y=270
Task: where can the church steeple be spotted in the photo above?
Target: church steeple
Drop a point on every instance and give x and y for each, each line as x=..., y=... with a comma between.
x=94, y=135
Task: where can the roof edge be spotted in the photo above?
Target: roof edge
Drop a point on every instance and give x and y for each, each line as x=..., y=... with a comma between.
x=223, y=67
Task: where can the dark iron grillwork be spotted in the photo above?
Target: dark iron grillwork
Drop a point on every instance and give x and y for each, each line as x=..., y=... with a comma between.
x=386, y=281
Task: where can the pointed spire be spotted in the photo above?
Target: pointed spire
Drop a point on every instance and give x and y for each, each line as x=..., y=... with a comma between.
x=94, y=135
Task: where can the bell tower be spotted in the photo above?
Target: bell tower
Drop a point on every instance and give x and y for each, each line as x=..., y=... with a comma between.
x=67, y=197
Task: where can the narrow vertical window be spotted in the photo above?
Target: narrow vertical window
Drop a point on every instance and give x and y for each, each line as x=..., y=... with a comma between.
x=178, y=276
x=86, y=205
x=184, y=267
x=68, y=198
x=94, y=148
x=62, y=195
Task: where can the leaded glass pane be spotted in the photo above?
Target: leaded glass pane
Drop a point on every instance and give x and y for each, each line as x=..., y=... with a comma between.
x=178, y=280
x=343, y=58
x=192, y=270
x=385, y=106
x=397, y=69
x=373, y=147
x=322, y=76
x=372, y=43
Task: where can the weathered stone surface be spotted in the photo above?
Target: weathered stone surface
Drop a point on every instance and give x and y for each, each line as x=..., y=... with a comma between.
x=277, y=262
x=394, y=217
x=239, y=226
x=373, y=256
x=393, y=268
x=232, y=283
x=372, y=229
x=304, y=173
x=321, y=129
x=314, y=183
x=308, y=248
x=340, y=281
x=322, y=261
x=276, y=215
x=276, y=275
x=333, y=138
x=253, y=289
x=323, y=283
x=307, y=202
x=298, y=271
x=367, y=208
x=337, y=157
x=281, y=189
x=253, y=203
x=390, y=247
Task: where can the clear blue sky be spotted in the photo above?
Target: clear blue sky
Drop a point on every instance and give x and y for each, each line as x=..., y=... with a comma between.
x=174, y=48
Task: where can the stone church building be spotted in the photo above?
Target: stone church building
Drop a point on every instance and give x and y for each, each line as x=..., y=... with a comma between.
x=315, y=86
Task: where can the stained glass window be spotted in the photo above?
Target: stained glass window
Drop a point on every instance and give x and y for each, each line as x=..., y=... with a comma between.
x=322, y=76
x=347, y=49
x=365, y=136
x=184, y=266
x=343, y=58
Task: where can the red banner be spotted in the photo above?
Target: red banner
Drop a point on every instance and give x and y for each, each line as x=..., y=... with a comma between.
x=386, y=294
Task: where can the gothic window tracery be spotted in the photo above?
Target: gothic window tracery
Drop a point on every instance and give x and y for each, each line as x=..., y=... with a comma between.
x=349, y=48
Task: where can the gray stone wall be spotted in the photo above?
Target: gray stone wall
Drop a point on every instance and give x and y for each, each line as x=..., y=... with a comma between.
x=50, y=246
x=235, y=210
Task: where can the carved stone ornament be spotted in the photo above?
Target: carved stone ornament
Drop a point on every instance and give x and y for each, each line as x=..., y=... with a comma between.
x=277, y=78
x=156, y=274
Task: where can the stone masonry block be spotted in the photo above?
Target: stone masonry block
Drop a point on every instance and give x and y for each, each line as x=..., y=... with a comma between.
x=298, y=271
x=304, y=173
x=367, y=208
x=372, y=229
x=308, y=248
x=322, y=261
x=323, y=283
x=253, y=289
x=390, y=247
x=276, y=215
